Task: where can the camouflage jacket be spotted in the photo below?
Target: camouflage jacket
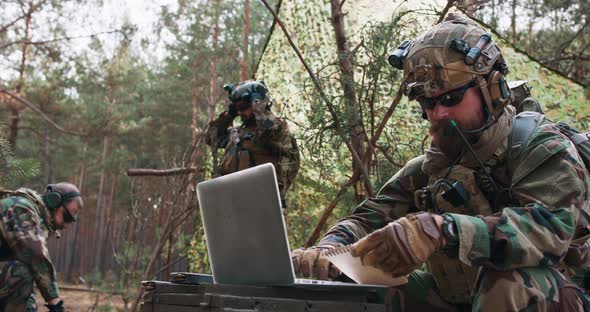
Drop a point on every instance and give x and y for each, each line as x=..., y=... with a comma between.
x=24, y=227
x=547, y=186
x=264, y=138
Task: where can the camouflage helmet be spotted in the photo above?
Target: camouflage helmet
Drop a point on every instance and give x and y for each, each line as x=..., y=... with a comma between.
x=449, y=56
x=248, y=90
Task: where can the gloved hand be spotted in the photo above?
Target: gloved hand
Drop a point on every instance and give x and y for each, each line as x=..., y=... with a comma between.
x=232, y=111
x=58, y=307
x=403, y=245
x=311, y=263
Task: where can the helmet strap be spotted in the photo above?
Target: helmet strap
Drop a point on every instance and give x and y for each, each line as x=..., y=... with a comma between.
x=485, y=93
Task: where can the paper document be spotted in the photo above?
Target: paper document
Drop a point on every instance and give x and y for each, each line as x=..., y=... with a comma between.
x=362, y=274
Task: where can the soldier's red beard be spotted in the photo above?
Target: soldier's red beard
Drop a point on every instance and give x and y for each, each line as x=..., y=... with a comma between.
x=446, y=138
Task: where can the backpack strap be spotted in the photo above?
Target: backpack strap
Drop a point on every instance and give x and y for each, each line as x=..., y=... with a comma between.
x=580, y=140
x=523, y=127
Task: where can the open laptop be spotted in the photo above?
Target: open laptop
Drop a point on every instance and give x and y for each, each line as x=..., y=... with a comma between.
x=245, y=230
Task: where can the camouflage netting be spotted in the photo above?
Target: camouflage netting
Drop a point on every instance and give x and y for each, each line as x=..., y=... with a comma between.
x=373, y=28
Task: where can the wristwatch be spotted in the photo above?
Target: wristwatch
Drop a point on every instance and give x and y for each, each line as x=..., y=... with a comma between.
x=449, y=229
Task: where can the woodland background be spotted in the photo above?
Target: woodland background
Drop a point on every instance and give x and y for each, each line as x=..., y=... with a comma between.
x=86, y=107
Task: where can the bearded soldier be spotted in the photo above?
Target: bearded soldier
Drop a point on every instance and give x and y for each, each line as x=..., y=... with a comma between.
x=26, y=221
x=493, y=205
x=261, y=138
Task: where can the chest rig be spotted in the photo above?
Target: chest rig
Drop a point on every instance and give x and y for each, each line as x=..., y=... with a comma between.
x=462, y=190
x=244, y=150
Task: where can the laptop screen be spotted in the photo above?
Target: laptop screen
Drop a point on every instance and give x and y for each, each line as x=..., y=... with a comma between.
x=245, y=229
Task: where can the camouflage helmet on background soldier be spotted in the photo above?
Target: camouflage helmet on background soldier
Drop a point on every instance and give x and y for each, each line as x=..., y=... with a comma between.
x=247, y=91
x=455, y=54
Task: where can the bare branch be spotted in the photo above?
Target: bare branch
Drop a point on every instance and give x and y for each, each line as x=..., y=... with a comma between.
x=358, y=46
x=385, y=119
x=389, y=157
x=31, y=10
x=42, y=42
x=38, y=111
x=572, y=57
x=316, y=82
x=569, y=41
x=450, y=4
x=328, y=211
x=507, y=42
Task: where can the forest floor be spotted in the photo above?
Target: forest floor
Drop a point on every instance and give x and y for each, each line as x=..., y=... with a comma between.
x=80, y=299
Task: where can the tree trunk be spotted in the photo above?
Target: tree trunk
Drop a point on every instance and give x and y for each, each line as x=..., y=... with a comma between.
x=100, y=211
x=16, y=108
x=493, y=22
x=530, y=37
x=212, y=98
x=73, y=266
x=108, y=226
x=14, y=120
x=213, y=80
x=471, y=7
x=513, y=21
x=245, y=33
x=362, y=188
x=46, y=157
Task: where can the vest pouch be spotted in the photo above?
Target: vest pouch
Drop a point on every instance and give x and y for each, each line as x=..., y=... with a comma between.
x=229, y=162
x=454, y=279
x=578, y=252
x=245, y=160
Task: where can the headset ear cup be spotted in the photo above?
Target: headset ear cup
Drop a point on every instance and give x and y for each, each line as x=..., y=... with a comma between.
x=499, y=91
x=53, y=200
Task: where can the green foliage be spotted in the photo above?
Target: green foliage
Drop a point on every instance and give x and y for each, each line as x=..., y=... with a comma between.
x=142, y=110
x=555, y=32
x=13, y=170
x=197, y=251
x=325, y=161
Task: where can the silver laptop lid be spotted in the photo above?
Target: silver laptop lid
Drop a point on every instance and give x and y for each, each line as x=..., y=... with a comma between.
x=245, y=229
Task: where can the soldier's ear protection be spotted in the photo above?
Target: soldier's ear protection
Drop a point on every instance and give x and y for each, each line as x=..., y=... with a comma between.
x=53, y=199
x=498, y=93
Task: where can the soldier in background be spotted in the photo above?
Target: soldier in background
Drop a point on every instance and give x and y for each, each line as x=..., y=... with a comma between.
x=26, y=221
x=261, y=138
x=495, y=205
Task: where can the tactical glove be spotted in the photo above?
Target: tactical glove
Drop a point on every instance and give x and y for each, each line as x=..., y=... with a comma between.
x=58, y=307
x=401, y=246
x=311, y=262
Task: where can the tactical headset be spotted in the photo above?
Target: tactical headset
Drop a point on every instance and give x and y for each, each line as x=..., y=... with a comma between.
x=493, y=86
x=54, y=199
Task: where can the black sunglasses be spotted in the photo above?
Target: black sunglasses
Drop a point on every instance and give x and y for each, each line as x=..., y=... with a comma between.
x=448, y=99
x=68, y=217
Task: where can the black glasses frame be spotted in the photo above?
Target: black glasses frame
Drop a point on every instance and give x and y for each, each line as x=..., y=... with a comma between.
x=68, y=217
x=448, y=99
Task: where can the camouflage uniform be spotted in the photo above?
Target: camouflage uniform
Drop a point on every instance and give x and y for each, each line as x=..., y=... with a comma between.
x=523, y=204
x=24, y=258
x=519, y=241
x=264, y=138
